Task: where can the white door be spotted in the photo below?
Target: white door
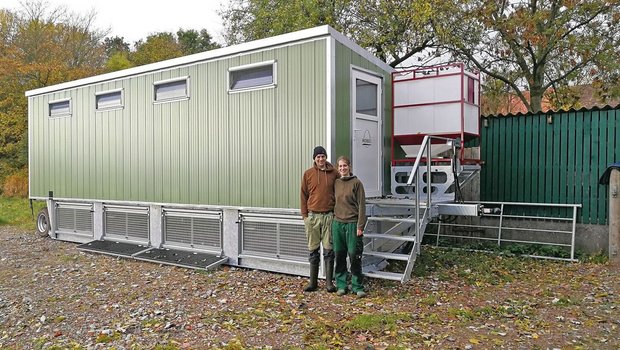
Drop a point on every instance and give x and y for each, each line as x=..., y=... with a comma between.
x=367, y=107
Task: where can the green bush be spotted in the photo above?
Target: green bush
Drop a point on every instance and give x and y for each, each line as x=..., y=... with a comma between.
x=16, y=184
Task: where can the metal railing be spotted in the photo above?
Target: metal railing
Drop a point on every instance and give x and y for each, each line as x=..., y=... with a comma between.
x=414, y=177
x=501, y=228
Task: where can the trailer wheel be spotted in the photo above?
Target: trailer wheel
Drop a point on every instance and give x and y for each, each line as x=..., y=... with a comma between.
x=43, y=222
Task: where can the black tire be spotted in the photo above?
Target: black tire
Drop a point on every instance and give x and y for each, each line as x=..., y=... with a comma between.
x=43, y=222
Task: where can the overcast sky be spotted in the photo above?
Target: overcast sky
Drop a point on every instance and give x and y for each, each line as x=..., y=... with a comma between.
x=135, y=19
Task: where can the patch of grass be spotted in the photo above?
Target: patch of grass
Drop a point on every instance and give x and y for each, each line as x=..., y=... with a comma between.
x=376, y=322
x=429, y=300
x=234, y=344
x=150, y=322
x=477, y=268
x=485, y=311
x=563, y=301
x=432, y=318
x=462, y=314
x=166, y=347
x=596, y=258
x=16, y=212
x=38, y=343
x=107, y=338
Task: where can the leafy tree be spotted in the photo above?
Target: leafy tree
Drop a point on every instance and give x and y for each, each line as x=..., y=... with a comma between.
x=114, y=45
x=540, y=46
x=118, y=61
x=117, y=52
x=394, y=30
x=164, y=45
x=247, y=20
x=157, y=47
x=39, y=46
x=193, y=41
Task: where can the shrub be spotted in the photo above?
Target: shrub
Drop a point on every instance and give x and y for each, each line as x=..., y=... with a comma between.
x=16, y=184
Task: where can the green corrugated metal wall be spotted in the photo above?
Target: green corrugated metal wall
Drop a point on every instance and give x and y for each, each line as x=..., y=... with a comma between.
x=242, y=149
x=346, y=57
x=526, y=159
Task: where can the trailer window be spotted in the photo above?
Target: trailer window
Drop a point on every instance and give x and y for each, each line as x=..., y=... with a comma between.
x=252, y=76
x=109, y=100
x=170, y=90
x=60, y=108
x=366, y=97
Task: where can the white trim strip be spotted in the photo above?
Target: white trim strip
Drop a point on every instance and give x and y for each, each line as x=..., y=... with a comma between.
x=105, y=92
x=330, y=94
x=171, y=80
x=117, y=203
x=359, y=50
x=251, y=65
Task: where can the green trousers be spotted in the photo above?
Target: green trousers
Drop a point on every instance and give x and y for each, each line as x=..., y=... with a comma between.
x=347, y=243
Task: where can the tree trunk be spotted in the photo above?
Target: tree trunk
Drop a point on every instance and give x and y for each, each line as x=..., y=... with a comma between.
x=536, y=95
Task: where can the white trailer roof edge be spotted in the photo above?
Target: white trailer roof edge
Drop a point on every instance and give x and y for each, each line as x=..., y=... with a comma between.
x=212, y=54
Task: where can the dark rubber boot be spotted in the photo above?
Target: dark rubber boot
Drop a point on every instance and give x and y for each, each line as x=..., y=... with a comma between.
x=329, y=275
x=314, y=274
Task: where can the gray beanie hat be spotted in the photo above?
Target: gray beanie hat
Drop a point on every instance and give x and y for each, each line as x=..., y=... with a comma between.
x=319, y=150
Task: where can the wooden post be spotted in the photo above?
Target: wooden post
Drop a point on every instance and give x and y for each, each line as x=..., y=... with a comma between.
x=614, y=217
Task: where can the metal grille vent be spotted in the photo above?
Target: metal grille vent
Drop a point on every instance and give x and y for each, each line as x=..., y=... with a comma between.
x=129, y=225
x=193, y=231
x=293, y=240
x=274, y=238
x=74, y=220
x=260, y=237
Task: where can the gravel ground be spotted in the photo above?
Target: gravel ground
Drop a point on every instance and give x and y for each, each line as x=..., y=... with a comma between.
x=55, y=297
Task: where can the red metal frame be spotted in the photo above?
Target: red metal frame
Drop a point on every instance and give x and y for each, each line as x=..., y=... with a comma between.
x=417, y=139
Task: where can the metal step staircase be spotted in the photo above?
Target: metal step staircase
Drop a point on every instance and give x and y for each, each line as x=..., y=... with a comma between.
x=395, y=229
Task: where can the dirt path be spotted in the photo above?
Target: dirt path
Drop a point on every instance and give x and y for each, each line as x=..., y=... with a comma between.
x=54, y=297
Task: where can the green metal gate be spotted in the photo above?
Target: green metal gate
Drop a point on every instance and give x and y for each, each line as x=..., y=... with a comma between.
x=551, y=158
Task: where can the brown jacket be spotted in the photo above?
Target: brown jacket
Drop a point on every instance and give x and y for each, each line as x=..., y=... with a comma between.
x=317, y=189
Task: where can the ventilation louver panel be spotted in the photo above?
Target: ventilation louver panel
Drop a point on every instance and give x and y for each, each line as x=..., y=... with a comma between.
x=74, y=219
x=207, y=232
x=138, y=226
x=260, y=237
x=66, y=219
x=130, y=225
x=293, y=240
x=178, y=230
x=193, y=230
x=274, y=237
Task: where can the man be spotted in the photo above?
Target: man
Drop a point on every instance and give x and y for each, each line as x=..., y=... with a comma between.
x=317, y=206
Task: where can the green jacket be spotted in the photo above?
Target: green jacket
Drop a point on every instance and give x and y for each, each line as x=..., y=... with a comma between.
x=350, y=201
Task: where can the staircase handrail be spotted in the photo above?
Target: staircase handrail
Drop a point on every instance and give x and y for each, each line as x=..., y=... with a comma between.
x=426, y=142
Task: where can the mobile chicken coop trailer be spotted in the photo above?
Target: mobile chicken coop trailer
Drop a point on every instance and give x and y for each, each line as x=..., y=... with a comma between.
x=204, y=153
x=197, y=161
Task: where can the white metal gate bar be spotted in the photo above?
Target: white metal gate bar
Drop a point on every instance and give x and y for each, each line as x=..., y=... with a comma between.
x=501, y=226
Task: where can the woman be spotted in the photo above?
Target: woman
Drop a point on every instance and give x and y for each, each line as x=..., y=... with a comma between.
x=348, y=228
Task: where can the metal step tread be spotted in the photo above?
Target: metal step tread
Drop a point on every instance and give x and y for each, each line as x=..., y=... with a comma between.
x=392, y=219
x=390, y=237
x=385, y=275
x=389, y=256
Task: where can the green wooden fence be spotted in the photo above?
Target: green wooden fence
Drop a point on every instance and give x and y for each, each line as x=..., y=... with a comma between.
x=551, y=158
